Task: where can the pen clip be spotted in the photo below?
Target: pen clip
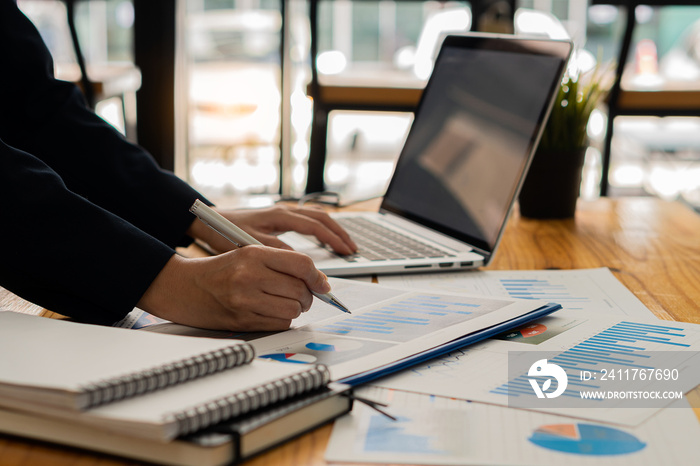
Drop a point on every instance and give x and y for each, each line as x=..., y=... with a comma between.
x=223, y=235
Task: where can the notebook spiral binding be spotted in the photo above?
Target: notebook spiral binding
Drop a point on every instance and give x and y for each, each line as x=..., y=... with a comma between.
x=222, y=409
x=149, y=380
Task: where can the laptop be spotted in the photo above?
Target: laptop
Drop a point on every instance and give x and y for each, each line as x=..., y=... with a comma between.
x=464, y=160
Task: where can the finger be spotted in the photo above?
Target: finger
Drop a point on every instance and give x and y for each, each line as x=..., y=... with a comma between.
x=253, y=310
x=308, y=225
x=296, y=265
x=293, y=292
x=272, y=325
x=322, y=217
x=273, y=241
x=258, y=323
x=283, y=301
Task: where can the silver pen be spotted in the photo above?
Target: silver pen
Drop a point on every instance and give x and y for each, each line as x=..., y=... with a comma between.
x=240, y=238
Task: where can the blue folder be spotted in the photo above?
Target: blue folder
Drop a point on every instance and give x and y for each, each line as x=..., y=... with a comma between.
x=461, y=342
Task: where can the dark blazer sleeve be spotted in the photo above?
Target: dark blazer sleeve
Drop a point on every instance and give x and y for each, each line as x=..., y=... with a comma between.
x=88, y=218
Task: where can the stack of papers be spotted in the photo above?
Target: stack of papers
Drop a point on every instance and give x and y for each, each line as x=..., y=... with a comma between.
x=468, y=392
x=436, y=431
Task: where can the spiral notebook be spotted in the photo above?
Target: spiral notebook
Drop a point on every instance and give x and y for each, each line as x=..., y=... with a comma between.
x=136, y=383
x=79, y=366
x=228, y=442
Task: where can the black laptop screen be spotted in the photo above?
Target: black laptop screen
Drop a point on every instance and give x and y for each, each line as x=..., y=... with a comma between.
x=474, y=132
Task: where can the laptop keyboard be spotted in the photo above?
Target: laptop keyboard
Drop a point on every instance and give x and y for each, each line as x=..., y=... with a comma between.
x=376, y=242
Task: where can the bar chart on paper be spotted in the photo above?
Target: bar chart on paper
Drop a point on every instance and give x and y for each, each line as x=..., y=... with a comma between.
x=426, y=430
x=533, y=438
x=532, y=288
x=406, y=324
x=623, y=347
x=407, y=318
x=594, y=290
x=593, y=344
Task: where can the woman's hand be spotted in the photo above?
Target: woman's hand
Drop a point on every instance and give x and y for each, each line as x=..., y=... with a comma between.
x=255, y=288
x=265, y=224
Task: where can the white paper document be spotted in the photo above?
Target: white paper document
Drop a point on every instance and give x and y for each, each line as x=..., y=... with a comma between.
x=593, y=290
x=386, y=325
x=396, y=325
x=577, y=342
x=442, y=431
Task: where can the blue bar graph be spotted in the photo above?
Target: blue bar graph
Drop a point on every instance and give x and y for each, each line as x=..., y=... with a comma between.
x=404, y=319
x=543, y=289
x=621, y=346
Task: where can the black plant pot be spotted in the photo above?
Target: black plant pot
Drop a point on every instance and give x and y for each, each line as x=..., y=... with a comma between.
x=552, y=185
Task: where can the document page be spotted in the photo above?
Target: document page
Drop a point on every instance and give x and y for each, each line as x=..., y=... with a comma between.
x=443, y=431
x=396, y=325
x=591, y=290
x=597, y=354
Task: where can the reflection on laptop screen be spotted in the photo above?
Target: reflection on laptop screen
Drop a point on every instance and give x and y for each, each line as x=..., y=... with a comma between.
x=471, y=140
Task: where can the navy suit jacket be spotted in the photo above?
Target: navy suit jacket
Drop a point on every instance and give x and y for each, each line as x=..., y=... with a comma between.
x=88, y=219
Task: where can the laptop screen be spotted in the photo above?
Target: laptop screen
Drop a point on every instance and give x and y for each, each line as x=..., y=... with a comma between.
x=473, y=135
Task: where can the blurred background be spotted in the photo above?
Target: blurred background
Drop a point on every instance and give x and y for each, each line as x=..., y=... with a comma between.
x=244, y=120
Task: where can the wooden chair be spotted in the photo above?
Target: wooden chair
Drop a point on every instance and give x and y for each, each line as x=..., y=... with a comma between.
x=672, y=99
x=108, y=82
x=368, y=89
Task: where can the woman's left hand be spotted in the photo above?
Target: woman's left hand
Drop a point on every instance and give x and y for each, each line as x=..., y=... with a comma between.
x=265, y=224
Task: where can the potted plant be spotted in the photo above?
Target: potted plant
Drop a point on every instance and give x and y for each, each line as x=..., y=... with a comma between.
x=552, y=185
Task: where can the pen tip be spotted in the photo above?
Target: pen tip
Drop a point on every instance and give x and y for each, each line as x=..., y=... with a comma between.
x=341, y=306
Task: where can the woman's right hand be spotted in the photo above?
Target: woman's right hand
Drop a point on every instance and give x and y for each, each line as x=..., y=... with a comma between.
x=254, y=288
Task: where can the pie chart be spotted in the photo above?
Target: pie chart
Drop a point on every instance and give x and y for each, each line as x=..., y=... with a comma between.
x=586, y=439
x=533, y=330
x=334, y=344
x=297, y=358
x=528, y=331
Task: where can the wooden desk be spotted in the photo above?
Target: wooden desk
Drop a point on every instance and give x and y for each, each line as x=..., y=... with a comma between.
x=652, y=246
